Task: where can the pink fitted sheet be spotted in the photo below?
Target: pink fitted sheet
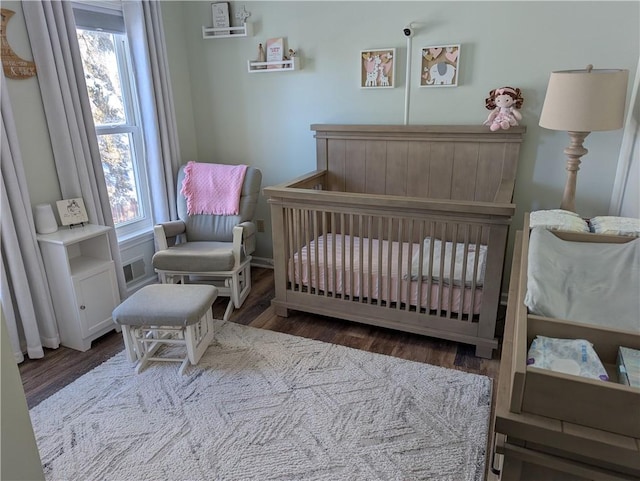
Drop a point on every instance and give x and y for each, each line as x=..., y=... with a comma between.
x=360, y=278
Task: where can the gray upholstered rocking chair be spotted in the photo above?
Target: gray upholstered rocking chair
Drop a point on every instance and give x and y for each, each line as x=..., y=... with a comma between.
x=213, y=249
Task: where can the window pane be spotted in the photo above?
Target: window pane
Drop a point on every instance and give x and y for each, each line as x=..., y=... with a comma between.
x=101, y=74
x=120, y=177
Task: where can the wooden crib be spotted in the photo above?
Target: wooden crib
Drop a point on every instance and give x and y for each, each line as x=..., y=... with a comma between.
x=403, y=227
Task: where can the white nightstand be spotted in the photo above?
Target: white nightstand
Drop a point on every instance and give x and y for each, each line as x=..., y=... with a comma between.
x=82, y=279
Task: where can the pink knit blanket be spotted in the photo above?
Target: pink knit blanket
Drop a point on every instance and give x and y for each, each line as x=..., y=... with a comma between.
x=213, y=188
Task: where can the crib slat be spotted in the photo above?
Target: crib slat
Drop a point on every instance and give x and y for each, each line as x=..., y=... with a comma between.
x=288, y=220
x=407, y=284
x=379, y=269
x=399, y=280
x=369, y=276
x=363, y=294
x=307, y=243
x=389, y=263
x=463, y=289
x=323, y=255
x=316, y=255
x=334, y=267
x=441, y=271
x=419, y=286
x=299, y=244
x=432, y=236
x=343, y=228
x=452, y=268
x=478, y=239
x=351, y=257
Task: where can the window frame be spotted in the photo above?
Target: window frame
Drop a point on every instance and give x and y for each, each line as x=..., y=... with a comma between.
x=132, y=126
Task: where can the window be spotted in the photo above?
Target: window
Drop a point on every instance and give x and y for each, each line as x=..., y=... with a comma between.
x=112, y=92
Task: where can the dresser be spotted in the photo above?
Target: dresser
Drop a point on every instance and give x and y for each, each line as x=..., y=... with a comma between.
x=82, y=280
x=539, y=447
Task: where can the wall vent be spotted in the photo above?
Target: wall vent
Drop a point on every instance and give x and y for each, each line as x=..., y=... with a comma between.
x=134, y=270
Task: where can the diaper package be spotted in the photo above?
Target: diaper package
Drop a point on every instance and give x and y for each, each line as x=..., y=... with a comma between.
x=569, y=356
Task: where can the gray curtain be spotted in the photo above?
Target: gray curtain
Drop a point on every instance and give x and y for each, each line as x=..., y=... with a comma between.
x=26, y=301
x=52, y=33
x=143, y=21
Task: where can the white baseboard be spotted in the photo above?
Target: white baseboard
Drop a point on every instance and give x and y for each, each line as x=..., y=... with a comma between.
x=264, y=262
x=134, y=286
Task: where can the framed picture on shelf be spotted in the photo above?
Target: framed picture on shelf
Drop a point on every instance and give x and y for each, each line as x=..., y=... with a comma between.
x=378, y=68
x=72, y=211
x=220, y=13
x=275, y=51
x=440, y=66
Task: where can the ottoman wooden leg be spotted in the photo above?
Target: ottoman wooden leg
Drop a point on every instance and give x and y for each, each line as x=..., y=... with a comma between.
x=198, y=337
x=129, y=343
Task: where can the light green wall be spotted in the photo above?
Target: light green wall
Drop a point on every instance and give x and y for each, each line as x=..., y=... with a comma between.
x=19, y=459
x=28, y=113
x=263, y=119
x=227, y=115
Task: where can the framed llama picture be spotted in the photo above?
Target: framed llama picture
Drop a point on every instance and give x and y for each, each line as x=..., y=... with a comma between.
x=440, y=66
x=378, y=68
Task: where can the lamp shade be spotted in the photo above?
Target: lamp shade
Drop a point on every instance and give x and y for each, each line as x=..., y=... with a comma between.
x=585, y=100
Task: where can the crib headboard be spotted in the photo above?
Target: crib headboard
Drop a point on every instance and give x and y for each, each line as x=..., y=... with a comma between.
x=454, y=162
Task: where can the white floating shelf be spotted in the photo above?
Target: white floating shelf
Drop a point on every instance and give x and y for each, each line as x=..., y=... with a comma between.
x=273, y=67
x=244, y=30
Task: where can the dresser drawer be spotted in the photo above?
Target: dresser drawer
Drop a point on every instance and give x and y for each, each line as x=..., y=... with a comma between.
x=606, y=405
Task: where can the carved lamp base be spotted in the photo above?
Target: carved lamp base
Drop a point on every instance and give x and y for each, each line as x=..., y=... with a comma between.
x=573, y=153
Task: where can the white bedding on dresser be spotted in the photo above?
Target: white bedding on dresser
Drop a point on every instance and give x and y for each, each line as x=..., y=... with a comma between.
x=594, y=283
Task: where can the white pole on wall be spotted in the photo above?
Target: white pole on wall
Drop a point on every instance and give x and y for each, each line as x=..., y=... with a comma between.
x=407, y=87
x=407, y=32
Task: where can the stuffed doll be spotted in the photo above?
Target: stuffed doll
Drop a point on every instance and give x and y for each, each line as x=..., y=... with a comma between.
x=503, y=103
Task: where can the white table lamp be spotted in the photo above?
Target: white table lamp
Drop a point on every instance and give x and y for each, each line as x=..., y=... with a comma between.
x=44, y=219
x=581, y=102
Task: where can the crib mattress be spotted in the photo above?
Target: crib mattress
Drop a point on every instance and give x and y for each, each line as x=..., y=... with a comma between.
x=340, y=264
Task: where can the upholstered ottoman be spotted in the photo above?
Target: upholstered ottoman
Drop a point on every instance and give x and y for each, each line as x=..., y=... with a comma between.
x=167, y=314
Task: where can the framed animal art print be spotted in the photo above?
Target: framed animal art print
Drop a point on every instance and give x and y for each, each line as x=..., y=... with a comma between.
x=440, y=66
x=72, y=211
x=377, y=68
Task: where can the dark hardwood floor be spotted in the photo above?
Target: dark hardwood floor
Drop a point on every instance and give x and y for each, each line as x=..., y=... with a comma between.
x=43, y=377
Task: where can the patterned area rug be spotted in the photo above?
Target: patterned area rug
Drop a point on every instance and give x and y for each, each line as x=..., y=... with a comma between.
x=263, y=405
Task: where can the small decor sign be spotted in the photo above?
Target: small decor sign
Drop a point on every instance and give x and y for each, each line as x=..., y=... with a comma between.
x=440, y=66
x=377, y=68
x=275, y=51
x=220, y=12
x=72, y=211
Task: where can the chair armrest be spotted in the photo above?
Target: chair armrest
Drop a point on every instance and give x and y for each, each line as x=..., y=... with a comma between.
x=237, y=244
x=165, y=233
x=248, y=236
x=243, y=240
